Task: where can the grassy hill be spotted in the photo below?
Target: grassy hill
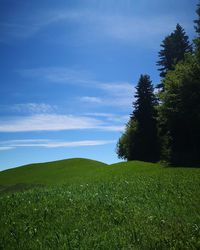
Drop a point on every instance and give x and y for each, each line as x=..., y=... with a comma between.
x=56, y=172
x=84, y=204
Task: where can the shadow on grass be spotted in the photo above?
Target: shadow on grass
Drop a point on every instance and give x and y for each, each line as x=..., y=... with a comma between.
x=19, y=187
x=182, y=165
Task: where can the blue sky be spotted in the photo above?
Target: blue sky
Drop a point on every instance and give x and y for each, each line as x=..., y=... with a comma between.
x=68, y=70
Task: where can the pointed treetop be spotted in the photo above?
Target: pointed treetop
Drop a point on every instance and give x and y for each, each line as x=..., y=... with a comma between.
x=174, y=48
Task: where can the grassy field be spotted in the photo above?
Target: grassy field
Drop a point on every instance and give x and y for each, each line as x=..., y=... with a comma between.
x=84, y=204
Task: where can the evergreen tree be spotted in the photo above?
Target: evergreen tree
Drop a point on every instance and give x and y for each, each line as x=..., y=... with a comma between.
x=174, y=48
x=140, y=140
x=179, y=113
x=179, y=118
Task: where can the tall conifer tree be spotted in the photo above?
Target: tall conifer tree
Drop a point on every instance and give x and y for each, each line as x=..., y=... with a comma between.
x=174, y=48
x=140, y=140
x=179, y=112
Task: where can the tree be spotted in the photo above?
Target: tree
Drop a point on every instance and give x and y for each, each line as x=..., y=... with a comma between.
x=174, y=48
x=180, y=113
x=126, y=143
x=140, y=139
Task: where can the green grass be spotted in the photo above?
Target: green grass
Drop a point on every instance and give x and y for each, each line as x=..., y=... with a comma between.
x=58, y=172
x=84, y=204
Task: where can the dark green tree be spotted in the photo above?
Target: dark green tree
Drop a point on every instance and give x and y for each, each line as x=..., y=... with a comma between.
x=174, y=48
x=126, y=143
x=180, y=113
x=140, y=139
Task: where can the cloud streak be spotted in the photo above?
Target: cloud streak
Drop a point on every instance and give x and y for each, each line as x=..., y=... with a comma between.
x=110, y=117
x=95, y=25
x=53, y=122
x=47, y=122
x=43, y=143
x=3, y=148
x=91, y=99
x=60, y=75
x=23, y=27
x=120, y=94
x=29, y=108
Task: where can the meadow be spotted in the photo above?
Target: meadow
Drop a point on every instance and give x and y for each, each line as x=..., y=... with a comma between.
x=84, y=204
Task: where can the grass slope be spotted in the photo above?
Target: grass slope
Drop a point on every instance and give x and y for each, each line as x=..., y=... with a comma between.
x=56, y=172
x=91, y=205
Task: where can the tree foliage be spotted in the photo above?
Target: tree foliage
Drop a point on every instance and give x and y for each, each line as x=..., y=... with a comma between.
x=126, y=143
x=140, y=140
x=180, y=113
x=174, y=48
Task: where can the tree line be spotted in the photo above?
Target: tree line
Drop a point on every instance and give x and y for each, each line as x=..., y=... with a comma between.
x=166, y=126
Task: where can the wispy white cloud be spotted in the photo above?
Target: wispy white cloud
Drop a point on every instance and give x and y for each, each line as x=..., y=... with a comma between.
x=26, y=26
x=110, y=117
x=43, y=143
x=114, y=128
x=122, y=101
x=29, y=108
x=91, y=99
x=47, y=122
x=100, y=114
x=95, y=25
x=58, y=75
x=23, y=141
x=53, y=122
x=3, y=148
x=118, y=94
x=115, y=95
x=117, y=88
x=135, y=29
x=73, y=76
